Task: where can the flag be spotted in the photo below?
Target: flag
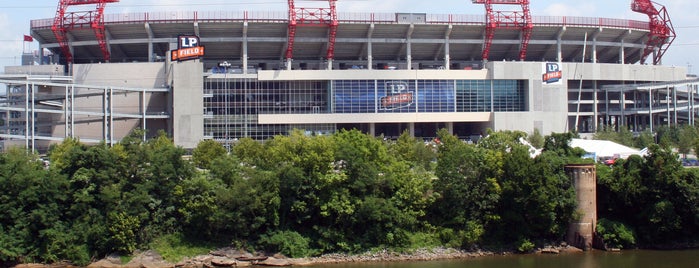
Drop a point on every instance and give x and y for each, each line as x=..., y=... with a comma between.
x=28, y=38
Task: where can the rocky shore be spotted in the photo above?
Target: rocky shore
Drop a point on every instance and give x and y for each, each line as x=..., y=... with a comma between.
x=228, y=257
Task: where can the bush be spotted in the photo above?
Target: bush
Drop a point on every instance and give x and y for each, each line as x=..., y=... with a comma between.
x=616, y=234
x=288, y=243
x=525, y=246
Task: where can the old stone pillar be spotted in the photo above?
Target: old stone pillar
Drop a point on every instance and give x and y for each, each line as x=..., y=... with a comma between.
x=581, y=231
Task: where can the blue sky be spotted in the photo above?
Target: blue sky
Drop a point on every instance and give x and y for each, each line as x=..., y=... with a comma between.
x=15, y=16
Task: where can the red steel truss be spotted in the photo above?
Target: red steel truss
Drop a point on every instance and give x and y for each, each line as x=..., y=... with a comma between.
x=495, y=19
x=662, y=33
x=302, y=16
x=67, y=21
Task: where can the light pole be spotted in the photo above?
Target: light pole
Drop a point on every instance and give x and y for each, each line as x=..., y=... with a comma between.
x=225, y=91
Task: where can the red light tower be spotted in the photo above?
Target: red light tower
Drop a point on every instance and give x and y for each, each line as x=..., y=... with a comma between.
x=518, y=20
x=67, y=21
x=302, y=16
x=662, y=33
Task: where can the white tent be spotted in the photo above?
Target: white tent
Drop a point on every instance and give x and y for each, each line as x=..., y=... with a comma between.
x=604, y=149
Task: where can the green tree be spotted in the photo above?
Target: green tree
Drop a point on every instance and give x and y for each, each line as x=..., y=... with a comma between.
x=538, y=199
x=536, y=139
x=32, y=215
x=206, y=152
x=653, y=195
x=686, y=137
x=415, y=152
x=644, y=139
x=468, y=186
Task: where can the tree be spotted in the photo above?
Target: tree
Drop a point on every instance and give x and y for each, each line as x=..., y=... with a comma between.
x=536, y=139
x=415, y=152
x=206, y=152
x=32, y=213
x=468, y=188
x=653, y=195
x=686, y=139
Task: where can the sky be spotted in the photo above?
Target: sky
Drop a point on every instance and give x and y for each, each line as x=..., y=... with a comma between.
x=16, y=15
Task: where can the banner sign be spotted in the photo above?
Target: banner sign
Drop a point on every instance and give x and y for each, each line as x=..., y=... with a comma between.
x=552, y=73
x=397, y=95
x=188, y=48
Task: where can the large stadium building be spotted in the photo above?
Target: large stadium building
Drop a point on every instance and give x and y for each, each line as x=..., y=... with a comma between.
x=259, y=74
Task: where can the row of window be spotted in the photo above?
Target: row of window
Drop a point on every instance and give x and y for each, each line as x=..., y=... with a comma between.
x=231, y=106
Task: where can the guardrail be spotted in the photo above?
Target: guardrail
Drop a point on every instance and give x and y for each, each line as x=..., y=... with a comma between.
x=385, y=18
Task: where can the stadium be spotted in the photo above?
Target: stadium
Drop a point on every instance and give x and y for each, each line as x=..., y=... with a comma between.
x=227, y=75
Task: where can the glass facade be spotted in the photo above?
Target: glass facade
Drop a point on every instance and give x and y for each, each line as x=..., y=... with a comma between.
x=490, y=96
x=231, y=105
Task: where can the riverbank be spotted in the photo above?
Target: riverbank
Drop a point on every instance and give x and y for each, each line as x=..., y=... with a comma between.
x=228, y=257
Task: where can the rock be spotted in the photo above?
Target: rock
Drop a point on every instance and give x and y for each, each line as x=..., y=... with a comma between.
x=31, y=265
x=243, y=264
x=271, y=261
x=229, y=253
x=223, y=262
x=103, y=264
x=279, y=256
x=301, y=262
x=550, y=251
x=570, y=249
x=148, y=259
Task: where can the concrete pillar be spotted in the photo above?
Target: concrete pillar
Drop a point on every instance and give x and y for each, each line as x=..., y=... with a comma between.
x=581, y=231
x=244, y=52
x=621, y=53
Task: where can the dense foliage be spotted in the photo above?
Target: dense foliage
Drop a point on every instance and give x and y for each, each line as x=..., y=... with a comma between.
x=654, y=195
x=303, y=195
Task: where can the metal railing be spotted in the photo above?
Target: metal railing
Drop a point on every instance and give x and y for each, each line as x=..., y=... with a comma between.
x=383, y=18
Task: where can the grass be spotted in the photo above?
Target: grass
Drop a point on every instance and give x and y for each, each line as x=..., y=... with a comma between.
x=175, y=247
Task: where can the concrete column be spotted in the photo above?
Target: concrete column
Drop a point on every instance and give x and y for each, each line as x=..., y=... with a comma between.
x=447, y=57
x=372, y=129
x=621, y=52
x=411, y=129
x=150, y=42
x=595, y=113
x=245, y=48
x=408, y=49
x=369, y=52
x=559, y=49
x=650, y=108
x=450, y=127
x=581, y=232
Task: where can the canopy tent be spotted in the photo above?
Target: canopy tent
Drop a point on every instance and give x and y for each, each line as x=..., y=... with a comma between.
x=605, y=149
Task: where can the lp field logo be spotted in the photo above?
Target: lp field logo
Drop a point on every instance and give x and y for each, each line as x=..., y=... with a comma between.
x=552, y=73
x=397, y=96
x=188, y=48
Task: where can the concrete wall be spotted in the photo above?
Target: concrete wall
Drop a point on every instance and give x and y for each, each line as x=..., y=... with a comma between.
x=54, y=70
x=187, y=102
x=128, y=75
x=547, y=104
x=131, y=75
x=622, y=72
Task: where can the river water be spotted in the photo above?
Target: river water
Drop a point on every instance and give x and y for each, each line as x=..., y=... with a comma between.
x=594, y=259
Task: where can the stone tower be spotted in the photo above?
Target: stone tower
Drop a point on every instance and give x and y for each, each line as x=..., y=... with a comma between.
x=581, y=231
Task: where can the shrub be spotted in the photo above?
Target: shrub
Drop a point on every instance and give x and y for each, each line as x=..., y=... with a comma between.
x=288, y=243
x=616, y=234
x=525, y=246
